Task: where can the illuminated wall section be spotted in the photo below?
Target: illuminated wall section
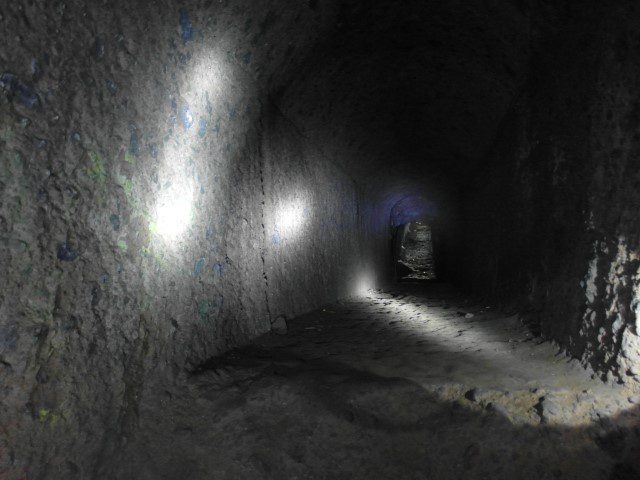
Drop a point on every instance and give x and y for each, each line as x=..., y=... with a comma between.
x=139, y=215
x=313, y=235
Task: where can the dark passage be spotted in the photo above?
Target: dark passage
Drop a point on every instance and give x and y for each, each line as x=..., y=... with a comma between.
x=415, y=260
x=319, y=239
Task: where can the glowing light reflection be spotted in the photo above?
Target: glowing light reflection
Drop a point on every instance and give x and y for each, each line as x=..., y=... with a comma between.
x=364, y=285
x=498, y=356
x=174, y=211
x=291, y=218
x=173, y=214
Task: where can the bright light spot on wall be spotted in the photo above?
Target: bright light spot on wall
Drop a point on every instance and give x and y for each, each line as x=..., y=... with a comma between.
x=173, y=215
x=290, y=218
x=206, y=75
x=364, y=285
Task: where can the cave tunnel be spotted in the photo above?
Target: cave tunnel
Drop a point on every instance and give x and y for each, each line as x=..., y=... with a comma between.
x=413, y=234
x=414, y=259
x=203, y=210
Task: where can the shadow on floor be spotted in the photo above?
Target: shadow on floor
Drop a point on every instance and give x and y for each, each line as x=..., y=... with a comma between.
x=259, y=413
x=314, y=405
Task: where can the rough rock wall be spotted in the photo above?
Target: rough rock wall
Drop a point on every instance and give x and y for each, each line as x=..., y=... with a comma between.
x=310, y=204
x=146, y=221
x=554, y=216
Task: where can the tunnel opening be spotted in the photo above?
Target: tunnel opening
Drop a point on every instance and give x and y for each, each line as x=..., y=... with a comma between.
x=414, y=240
x=413, y=252
x=232, y=189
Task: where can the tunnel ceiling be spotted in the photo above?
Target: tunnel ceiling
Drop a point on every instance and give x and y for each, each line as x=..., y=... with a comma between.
x=417, y=87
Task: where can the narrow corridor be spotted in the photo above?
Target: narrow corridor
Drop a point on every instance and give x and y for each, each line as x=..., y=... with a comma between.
x=416, y=253
x=234, y=233
x=410, y=383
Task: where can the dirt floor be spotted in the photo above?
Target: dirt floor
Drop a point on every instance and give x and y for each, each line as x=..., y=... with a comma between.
x=417, y=383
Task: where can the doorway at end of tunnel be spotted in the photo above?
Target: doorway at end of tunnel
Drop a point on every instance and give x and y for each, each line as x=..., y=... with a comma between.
x=413, y=252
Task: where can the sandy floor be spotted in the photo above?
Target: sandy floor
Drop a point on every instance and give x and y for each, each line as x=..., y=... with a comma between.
x=410, y=384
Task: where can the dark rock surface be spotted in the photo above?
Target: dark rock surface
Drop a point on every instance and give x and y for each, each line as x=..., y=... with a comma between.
x=552, y=214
